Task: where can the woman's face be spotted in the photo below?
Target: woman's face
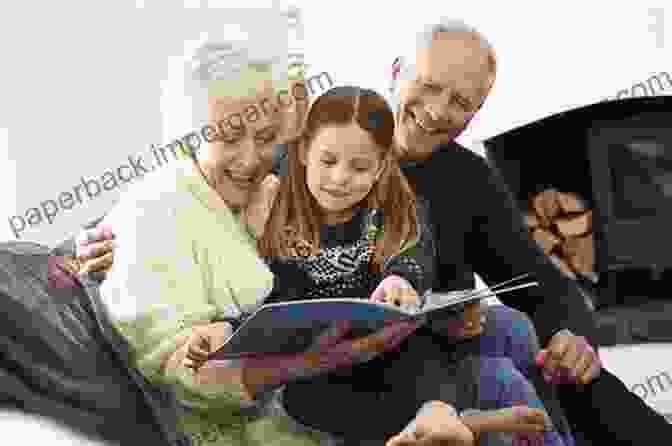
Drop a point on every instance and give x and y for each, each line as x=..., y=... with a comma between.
x=342, y=165
x=240, y=154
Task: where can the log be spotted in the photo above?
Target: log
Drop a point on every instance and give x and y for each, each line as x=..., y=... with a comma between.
x=546, y=239
x=546, y=206
x=574, y=226
x=531, y=220
x=571, y=203
x=579, y=253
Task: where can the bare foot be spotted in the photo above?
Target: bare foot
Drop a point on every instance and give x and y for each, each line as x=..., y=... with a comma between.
x=517, y=419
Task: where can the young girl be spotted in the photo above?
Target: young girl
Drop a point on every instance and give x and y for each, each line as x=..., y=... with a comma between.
x=345, y=223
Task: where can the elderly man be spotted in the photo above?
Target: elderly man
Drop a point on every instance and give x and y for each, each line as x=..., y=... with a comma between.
x=437, y=91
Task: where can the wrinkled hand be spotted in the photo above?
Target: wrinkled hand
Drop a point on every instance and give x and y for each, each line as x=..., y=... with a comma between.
x=437, y=424
x=396, y=290
x=569, y=359
x=95, y=249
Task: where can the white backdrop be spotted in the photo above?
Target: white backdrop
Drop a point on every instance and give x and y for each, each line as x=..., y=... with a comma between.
x=82, y=85
x=82, y=82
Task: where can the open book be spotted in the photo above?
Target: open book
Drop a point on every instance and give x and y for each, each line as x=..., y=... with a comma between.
x=292, y=327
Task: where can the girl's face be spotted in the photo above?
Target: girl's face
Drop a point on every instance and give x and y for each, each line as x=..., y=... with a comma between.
x=342, y=165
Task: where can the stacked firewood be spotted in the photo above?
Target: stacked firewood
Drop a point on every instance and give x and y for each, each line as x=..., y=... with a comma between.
x=562, y=224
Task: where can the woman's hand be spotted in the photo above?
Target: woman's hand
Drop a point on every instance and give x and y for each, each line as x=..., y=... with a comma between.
x=396, y=290
x=95, y=249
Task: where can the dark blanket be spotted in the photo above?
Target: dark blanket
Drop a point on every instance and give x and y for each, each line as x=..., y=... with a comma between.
x=60, y=358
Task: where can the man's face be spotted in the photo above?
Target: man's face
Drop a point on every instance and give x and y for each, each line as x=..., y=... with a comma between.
x=441, y=93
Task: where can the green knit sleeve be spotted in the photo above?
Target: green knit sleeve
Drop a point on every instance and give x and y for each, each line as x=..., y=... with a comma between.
x=158, y=289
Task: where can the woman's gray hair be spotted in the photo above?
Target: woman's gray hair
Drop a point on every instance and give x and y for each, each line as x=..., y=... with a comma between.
x=424, y=38
x=229, y=54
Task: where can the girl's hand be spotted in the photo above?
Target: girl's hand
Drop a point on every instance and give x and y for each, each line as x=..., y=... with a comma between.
x=198, y=347
x=396, y=290
x=205, y=339
x=94, y=249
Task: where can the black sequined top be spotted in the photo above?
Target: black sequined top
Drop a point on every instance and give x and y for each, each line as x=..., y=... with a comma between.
x=342, y=266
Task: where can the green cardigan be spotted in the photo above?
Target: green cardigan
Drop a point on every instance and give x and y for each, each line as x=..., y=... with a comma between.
x=182, y=256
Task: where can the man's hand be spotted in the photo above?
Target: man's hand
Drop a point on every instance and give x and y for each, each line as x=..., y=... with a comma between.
x=437, y=424
x=396, y=290
x=569, y=359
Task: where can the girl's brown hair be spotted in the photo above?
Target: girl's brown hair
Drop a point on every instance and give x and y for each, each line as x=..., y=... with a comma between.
x=296, y=215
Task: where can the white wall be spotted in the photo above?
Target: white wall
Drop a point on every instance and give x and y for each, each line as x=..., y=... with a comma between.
x=81, y=86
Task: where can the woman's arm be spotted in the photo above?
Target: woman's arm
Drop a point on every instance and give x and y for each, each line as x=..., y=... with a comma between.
x=158, y=291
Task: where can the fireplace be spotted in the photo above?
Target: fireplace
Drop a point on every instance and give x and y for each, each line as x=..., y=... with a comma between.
x=616, y=159
x=631, y=163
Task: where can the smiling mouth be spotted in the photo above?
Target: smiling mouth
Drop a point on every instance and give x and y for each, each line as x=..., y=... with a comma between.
x=335, y=193
x=242, y=181
x=424, y=126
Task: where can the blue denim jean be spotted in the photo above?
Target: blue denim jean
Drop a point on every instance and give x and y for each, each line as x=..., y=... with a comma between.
x=509, y=333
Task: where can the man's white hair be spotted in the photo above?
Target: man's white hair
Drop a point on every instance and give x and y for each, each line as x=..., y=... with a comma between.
x=424, y=38
x=444, y=25
x=229, y=61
